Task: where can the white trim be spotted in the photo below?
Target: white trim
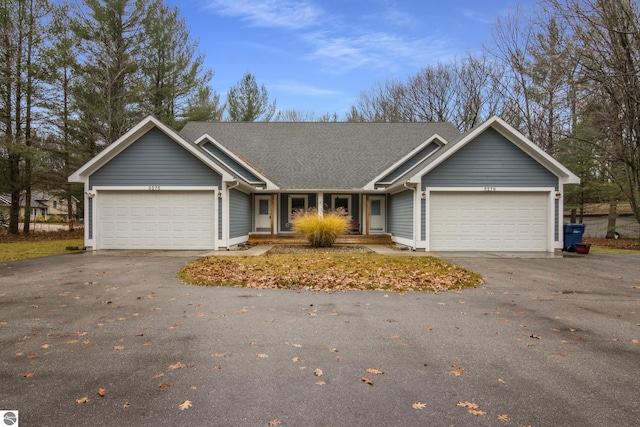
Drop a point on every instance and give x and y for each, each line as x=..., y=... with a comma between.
x=300, y=196
x=403, y=241
x=512, y=135
x=440, y=141
x=153, y=188
x=341, y=196
x=95, y=195
x=383, y=213
x=551, y=220
x=256, y=212
x=208, y=138
x=133, y=135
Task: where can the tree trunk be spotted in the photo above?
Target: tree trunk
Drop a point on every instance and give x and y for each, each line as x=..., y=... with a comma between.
x=611, y=222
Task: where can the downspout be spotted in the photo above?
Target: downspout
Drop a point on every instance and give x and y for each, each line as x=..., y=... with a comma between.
x=413, y=226
x=229, y=188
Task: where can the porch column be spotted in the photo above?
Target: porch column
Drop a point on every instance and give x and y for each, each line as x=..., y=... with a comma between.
x=320, y=204
x=367, y=214
x=272, y=212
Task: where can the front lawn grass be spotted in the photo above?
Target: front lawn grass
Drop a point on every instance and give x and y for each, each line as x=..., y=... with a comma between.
x=33, y=249
x=330, y=272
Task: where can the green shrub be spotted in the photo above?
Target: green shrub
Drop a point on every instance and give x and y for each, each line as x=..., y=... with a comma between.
x=320, y=231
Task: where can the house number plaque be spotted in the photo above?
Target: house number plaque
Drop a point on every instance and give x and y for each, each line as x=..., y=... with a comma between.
x=154, y=187
x=489, y=188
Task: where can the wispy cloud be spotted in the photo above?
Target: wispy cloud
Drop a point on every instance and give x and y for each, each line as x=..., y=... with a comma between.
x=302, y=89
x=483, y=18
x=375, y=49
x=342, y=45
x=289, y=14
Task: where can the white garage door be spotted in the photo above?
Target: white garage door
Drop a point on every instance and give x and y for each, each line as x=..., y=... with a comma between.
x=155, y=219
x=488, y=221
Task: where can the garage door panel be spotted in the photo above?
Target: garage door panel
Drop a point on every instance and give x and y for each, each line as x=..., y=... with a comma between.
x=479, y=221
x=156, y=220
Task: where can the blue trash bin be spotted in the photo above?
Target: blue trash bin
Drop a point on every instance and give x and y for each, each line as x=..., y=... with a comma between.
x=572, y=235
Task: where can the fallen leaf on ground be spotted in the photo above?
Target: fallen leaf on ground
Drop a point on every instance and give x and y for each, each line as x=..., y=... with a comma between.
x=458, y=370
x=177, y=365
x=219, y=354
x=161, y=374
x=125, y=405
x=634, y=341
x=366, y=380
x=262, y=355
x=82, y=400
x=185, y=405
x=275, y=422
x=32, y=356
x=297, y=345
x=102, y=392
x=534, y=336
x=477, y=412
x=374, y=371
x=466, y=404
x=320, y=383
x=503, y=417
x=419, y=405
x=118, y=347
x=317, y=372
x=334, y=350
x=165, y=385
x=29, y=374
x=502, y=381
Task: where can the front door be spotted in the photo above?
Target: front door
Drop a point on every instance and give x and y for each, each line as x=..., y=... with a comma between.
x=263, y=213
x=376, y=215
x=297, y=202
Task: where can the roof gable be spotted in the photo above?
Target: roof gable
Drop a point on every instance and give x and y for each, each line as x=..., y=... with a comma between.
x=239, y=166
x=134, y=135
x=511, y=135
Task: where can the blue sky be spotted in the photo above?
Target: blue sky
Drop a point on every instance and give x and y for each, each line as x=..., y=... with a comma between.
x=317, y=55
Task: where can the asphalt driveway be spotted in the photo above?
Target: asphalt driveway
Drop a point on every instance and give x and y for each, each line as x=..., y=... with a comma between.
x=545, y=342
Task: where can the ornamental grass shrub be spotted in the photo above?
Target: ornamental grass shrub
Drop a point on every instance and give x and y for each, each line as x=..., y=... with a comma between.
x=320, y=231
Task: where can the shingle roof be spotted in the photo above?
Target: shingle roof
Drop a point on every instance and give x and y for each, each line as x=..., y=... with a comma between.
x=339, y=156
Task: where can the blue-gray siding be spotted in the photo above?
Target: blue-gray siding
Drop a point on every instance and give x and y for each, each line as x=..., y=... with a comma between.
x=229, y=161
x=400, y=216
x=490, y=160
x=239, y=214
x=411, y=162
x=155, y=159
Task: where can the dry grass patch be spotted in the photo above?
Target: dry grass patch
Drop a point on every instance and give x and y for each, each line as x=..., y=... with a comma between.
x=330, y=272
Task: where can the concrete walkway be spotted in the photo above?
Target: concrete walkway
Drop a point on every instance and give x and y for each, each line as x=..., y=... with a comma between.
x=386, y=250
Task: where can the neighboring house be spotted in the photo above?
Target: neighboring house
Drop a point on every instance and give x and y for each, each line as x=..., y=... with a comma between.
x=43, y=206
x=425, y=184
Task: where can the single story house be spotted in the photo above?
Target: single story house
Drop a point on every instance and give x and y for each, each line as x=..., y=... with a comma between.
x=427, y=185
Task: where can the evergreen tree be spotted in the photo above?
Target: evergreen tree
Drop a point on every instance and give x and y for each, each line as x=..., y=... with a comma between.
x=246, y=102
